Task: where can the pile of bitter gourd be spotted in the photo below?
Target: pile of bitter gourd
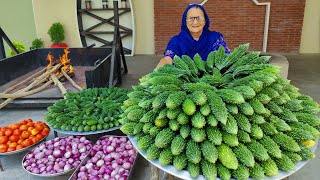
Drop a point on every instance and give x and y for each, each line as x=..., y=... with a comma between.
x=229, y=116
x=90, y=110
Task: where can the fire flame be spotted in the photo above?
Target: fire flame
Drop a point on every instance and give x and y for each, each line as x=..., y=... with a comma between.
x=64, y=60
x=50, y=59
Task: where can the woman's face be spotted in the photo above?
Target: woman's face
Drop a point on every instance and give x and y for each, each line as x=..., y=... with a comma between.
x=195, y=20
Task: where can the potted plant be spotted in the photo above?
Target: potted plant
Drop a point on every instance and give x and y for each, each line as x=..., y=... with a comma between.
x=19, y=46
x=37, y=43
x=56, y=33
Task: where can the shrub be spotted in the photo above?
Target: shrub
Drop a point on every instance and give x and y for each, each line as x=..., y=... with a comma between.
x=19, y=46
x=56, y=33
x=37, y=43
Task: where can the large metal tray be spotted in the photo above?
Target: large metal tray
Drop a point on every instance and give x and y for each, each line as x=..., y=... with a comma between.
x=86, y=133
x=24, y=149
x=185, y=175
x=75, y=173
x=51, y=175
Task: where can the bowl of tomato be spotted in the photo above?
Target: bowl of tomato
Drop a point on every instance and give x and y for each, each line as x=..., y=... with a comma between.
x=18, y=137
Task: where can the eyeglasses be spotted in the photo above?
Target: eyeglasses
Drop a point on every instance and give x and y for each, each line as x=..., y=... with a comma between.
x=193, y=18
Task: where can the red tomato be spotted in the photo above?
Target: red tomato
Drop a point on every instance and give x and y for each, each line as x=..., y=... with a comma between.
x=11, y=149
x=40, y=126
x=25, y=134
x=27, y=143
x=20, y=141
x=30, y=129
x=3, y=139
x=13, y=145
x=23, y=127
x=3, y=148
x=23, y=122
x=14, y=126
x=3, y=129
x=13, y=138
x=40, y=136
x=17, y=132
x=18, y=147
x=8, y=132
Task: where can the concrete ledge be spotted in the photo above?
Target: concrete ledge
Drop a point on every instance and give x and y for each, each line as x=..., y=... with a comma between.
x=279, y=60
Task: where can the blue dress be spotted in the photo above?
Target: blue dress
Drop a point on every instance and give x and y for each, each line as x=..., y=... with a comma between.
x=184, y=44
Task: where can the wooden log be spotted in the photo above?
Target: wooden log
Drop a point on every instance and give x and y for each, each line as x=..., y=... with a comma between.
x=59, y=84
x=25, y=80
x=70, y=80
x=22, y=94
x=38, y=89
x=19, y=95
x=42, y=78
x=36, y=82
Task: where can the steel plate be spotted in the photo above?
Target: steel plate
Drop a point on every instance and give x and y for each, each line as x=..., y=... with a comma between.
x=185, y=175
x=86, y=133
x=24, y=149
x=75, y=173
x=51, y=175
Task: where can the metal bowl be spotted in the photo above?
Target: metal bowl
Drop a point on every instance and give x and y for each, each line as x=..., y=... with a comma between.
x=86, y=133
x=183, y=174
x=50, y=175
x=26, y=148
x=84, y=161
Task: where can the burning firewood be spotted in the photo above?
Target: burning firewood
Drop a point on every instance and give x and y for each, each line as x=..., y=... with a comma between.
x=51, y=74
x=69, y=79
x=58, y=83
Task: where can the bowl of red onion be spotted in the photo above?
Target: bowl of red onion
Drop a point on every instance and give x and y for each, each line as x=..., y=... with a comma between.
x=57, y=156
x=112, y=157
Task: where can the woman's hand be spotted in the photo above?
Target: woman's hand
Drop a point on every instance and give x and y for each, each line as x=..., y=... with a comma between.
x=165, y=60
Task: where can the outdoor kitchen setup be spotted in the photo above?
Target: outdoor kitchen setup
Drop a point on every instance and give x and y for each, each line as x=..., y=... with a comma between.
x=38, y=78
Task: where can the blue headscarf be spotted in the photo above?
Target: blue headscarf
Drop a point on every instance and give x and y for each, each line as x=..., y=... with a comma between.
x=184, y=44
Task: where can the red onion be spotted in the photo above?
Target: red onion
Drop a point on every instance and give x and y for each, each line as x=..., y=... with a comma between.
x=56, y=167
x=126, y=165
x=100, y=163
x=89, y=166
x=29, y=156
x=66, y=168
x=41, y=147
x=94, y=159
x=35, y=170
x=49, y=168
x=123, y=139
x=56, y=144
x=107, y=158
x=28, y=168
x=47, y=152
x=56, y=153
x=50, y=147
x=131, y=159
x=128, y=146
x=40, y=155
x=119, y=149
x=82, y=150
x=42, y=169
x=119, y=161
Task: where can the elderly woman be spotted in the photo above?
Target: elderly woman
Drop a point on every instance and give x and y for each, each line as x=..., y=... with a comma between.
x=195, y=36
